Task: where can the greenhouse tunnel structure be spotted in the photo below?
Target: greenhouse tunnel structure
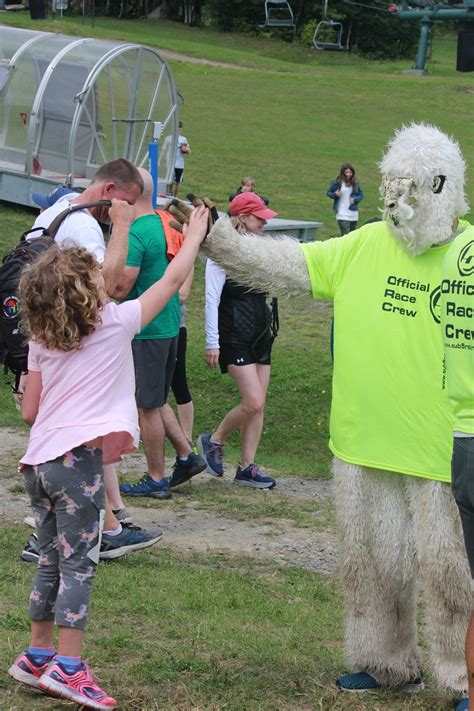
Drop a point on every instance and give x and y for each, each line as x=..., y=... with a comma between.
x=68, y=105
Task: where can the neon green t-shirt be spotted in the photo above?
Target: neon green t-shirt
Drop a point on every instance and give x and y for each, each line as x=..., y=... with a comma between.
x=389, y=410
x=147, y=250
x=457, y=320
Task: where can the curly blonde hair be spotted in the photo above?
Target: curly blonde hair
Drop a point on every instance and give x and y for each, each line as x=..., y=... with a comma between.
x=61, y=297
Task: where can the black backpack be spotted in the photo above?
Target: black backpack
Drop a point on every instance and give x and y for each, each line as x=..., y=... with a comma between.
x=13, y=343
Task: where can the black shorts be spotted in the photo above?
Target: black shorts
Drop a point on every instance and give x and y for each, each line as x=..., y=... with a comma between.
x=178, y=175
x=154, y=360
x=244, y=354
x=462, y=482
x=179, y=384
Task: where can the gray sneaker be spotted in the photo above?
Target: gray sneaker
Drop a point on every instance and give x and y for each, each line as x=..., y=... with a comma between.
x=132, y=538
x=212, y=453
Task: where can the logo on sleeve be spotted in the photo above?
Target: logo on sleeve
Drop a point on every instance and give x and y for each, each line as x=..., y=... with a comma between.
x=466, y=259
x=435, y=306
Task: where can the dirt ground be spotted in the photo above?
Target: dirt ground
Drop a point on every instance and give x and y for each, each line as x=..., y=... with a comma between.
x=192, y=527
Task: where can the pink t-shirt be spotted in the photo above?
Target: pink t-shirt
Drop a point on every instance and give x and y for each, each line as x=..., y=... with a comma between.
x=88, y=392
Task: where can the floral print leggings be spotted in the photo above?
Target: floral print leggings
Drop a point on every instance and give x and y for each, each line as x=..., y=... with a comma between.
x=68, y=500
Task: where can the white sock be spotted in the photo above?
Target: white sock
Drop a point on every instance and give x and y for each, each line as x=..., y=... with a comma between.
x=115, y=532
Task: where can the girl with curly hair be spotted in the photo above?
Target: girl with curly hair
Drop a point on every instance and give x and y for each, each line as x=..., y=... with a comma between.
x=80, y=402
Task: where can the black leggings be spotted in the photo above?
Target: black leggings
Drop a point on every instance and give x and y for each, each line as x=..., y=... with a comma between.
x=179, y=384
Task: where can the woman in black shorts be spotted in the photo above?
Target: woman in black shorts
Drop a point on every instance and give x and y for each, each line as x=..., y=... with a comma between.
x=240, y=329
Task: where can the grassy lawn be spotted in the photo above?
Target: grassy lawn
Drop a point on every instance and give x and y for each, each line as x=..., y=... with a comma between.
x=216, y=632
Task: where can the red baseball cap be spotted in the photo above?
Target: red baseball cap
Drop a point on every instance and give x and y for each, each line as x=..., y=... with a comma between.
x=250, y=204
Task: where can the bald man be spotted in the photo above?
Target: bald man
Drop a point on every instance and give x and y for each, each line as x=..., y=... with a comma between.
x=154, y=355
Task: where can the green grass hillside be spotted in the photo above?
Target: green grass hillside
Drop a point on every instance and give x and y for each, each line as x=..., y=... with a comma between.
x=187, y=631
x=289, y=116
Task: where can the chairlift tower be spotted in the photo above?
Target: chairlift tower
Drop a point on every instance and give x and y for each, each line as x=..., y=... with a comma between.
x=427, y=13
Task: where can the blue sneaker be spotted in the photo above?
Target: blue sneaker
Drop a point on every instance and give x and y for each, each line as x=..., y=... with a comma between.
x=254, y=476
x=146, y=486
x=362, y=681
x=132, y=538
x=357, y=681
x=212, y=453
x=463, y=704
x=183, y=471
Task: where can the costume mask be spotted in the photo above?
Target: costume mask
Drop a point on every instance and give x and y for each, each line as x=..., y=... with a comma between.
x=422, y=187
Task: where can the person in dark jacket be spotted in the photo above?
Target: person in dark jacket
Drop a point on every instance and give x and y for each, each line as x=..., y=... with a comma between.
x=346, y=193
x=240, y=329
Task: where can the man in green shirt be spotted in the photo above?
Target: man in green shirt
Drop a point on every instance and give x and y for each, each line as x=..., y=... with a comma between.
x=154, y=355
x=457, y=320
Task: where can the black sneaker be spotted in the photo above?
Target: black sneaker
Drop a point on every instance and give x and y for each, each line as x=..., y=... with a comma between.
x=132, y=538
x=30, y=553
x=183, y=471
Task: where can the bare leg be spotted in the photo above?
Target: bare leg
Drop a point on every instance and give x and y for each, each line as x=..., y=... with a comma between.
x=249, y=412
x=70, y=641
x=153, y=435
x=110, y=522
x=112, y=490
x=42, y=633
x=186, y=419
x=174, y=432
x=251, y=430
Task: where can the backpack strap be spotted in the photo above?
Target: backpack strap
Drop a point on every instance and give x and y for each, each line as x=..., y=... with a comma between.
x=56, y=223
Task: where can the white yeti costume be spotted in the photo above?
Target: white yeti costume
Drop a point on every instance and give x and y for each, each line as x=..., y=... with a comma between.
x=390, y=420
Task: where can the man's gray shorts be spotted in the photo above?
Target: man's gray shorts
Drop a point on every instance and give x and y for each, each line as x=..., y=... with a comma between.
x=154, y=361
x=462, y=476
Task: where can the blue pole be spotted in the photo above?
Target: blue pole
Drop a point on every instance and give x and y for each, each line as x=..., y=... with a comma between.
x=153, y=159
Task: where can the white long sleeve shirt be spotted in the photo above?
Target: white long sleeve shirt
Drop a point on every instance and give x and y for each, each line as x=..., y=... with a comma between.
x=215, y=280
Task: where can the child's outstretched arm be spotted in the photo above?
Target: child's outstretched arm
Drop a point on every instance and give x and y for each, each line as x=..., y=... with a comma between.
x=158, y=295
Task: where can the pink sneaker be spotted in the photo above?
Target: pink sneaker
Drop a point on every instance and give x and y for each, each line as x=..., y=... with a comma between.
x=25, y=670
x=79, y=687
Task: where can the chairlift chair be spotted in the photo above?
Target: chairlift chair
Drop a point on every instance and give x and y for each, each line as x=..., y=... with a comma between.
x=329, y=33
x=278, y=13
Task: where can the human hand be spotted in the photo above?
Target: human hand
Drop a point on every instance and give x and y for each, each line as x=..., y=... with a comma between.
x=352, y=201
x=212, y=357
x=338, y=193
x=121, y=211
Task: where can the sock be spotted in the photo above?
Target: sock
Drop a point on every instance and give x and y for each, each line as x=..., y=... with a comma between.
x=41, y=655
x=185, y=459
x=116, y=532
x=70, y=664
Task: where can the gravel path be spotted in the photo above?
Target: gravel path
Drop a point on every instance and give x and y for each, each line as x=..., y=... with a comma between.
x=193, y=528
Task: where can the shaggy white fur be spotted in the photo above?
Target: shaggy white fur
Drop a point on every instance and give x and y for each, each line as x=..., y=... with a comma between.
x=411, y=529
x=392, y=527
x=268, y=263
x=418, y=210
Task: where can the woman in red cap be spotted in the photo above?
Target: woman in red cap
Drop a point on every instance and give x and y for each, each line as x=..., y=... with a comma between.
x=240, y=329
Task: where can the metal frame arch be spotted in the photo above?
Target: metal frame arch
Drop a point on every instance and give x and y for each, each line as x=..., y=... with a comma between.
x=107, y=59
x=40, y=93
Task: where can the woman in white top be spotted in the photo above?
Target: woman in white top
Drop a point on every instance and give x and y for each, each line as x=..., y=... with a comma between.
x=346, y=193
